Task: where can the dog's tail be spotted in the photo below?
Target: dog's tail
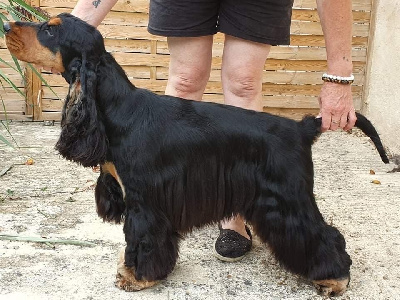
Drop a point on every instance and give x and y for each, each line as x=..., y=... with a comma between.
x=366, y=126
x=312, y=129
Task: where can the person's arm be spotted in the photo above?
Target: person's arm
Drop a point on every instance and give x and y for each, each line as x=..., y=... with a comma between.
x=336, y=101
x=93, y=12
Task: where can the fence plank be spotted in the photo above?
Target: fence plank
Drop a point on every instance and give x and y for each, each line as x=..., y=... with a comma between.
x=158, y=86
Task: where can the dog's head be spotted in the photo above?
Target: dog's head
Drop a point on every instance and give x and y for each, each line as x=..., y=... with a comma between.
x=55, y=43
x=72, y=47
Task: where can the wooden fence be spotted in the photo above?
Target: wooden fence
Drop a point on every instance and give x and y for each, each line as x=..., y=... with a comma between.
x=292, y=75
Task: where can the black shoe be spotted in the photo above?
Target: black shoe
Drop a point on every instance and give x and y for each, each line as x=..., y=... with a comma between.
x=230, y=245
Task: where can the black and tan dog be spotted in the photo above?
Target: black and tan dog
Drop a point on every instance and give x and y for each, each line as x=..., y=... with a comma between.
x=169, y=165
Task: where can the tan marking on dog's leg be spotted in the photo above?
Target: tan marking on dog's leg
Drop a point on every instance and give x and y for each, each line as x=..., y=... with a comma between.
x=332, y=287
x=126, y=277
x=109, y=167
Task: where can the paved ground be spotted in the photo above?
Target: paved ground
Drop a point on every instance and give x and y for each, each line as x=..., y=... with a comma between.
x=53, y=198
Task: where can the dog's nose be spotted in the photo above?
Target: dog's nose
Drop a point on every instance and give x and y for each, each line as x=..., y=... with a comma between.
x=6, y=27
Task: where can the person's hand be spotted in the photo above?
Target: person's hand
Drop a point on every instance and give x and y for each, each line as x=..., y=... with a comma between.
x=336, y=107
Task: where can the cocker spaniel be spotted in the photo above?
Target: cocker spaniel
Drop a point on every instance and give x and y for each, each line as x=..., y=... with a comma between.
x=169, y=165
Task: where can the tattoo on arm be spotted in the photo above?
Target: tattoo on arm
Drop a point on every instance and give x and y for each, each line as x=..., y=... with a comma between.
x=96, y=3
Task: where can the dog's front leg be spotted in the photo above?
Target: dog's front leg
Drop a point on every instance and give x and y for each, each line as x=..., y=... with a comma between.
x=152, y=247
x=126, y=277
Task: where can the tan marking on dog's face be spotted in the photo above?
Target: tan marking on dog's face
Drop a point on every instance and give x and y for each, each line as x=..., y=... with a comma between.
x=332, y=287
x=54, y=21
x=23, y=44
x=109, y=167
x=126, y=277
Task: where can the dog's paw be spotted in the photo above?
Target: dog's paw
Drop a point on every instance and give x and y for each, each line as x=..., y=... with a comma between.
x=125, y=279
x=332, y=287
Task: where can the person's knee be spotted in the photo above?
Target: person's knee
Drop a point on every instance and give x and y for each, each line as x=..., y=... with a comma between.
x=243, y=86
x=188, y=83
x=242, y=71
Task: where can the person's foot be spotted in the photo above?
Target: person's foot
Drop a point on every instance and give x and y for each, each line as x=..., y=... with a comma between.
x=236, y=224
x=234, y=240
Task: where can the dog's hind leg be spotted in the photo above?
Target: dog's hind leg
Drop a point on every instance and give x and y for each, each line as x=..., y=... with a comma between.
x=152, y=247
x=328, y=262
x=302, y=242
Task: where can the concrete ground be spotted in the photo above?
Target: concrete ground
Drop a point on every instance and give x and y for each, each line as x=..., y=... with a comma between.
x=53, y=198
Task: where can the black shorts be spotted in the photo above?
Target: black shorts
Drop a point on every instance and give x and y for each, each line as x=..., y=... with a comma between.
x=263, y=21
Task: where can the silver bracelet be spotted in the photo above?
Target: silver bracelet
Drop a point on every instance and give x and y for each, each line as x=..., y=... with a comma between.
x=338, y=79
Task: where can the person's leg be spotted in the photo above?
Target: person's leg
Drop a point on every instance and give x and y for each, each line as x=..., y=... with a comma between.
x=242, y=72
x=242, y=69
x=190, y=65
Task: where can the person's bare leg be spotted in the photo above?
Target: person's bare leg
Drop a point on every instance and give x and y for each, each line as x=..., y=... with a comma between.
x=242, y=69
x=190, y=66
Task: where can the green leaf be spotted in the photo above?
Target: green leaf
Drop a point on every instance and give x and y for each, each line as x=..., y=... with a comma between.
x=15, y=16
x=5, y=111
x=3, y=139
x=4, y=76
x=7, y=128
x=16, y=62
x=1, y=28
x=42, y=79
x=30, y=9
x=8, y=64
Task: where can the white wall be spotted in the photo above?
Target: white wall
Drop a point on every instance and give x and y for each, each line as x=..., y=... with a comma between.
x=382, y=105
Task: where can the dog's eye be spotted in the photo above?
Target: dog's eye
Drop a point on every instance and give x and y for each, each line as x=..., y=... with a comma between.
x=49, y=33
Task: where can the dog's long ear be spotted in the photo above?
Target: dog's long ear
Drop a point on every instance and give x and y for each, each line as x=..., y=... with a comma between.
x=83, y=138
